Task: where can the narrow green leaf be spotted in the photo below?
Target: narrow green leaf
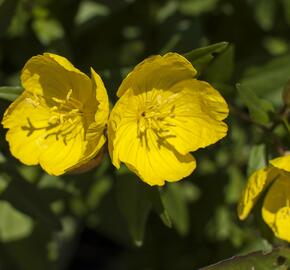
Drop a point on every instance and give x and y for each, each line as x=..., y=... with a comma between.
x=10, y=92
x=158, y=207
x=134, y=204
x=257, y=158
x=201, y=57
x=258, y=108
x=174, y=202
x=278, y=259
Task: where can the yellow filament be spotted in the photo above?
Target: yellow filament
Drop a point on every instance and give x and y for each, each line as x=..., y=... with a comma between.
x=65, y=115
x=153, y=116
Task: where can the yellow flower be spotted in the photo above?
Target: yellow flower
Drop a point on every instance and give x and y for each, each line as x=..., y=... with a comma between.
x=276, y=205
x=163, y=114
x=59, y=119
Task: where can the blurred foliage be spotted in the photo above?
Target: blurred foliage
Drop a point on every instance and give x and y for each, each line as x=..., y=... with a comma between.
x=186, y=225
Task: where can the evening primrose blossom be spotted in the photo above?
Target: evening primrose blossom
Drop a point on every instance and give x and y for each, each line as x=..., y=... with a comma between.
x=276, y=206
x=164, y=113
x=59, y=119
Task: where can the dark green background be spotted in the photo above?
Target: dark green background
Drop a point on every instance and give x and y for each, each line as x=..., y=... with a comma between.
x=97, y=220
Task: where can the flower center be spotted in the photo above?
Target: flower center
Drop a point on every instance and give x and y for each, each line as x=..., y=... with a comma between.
x=156, y=115
x=65, y=114
x=65, y=110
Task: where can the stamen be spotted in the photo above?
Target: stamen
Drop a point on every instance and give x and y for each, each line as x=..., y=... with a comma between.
x=156, y=115
x=68, y=94
x=66, y=114
x=31, y=101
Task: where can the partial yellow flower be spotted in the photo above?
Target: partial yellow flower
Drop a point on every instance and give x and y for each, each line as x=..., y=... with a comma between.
x=276, y=205
x=163, y=114
x=59, y=119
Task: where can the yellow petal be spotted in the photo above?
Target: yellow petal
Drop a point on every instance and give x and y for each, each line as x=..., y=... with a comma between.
x=54, y=76
x=99, y=89
x=62, y=61
x=276, y=207
x=282, y=224
x=94, y=134
x=198, y=113
x=59, y=155
x=24, y=120
x=282, y=163
x=256, y=184
x=121, y=112
x=160, y=72
x=154, y=163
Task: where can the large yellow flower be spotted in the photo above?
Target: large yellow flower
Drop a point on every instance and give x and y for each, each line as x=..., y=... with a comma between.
x=59, y=119
x=163, y=114
x=276, y=205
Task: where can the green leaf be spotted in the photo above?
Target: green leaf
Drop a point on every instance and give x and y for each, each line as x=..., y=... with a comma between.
x=265, y=13
x=201, y=57
x=174, y=201
x=14, y=225
x=235, y=185
x=278, y=259
x=20, y=19
x=220, y=227
x=90, y=9
x=31, y=252
x=10, y=92
x=158, y=207
x=269, y=78
x=134, y=204
x=221, y=68
x=258, y=108
x=97, y=191
x=28, y=199
x=197, y=7
x=4, y=181
x=7, y=10
x=257, y=158
x=275, y=46
x=47, y=30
